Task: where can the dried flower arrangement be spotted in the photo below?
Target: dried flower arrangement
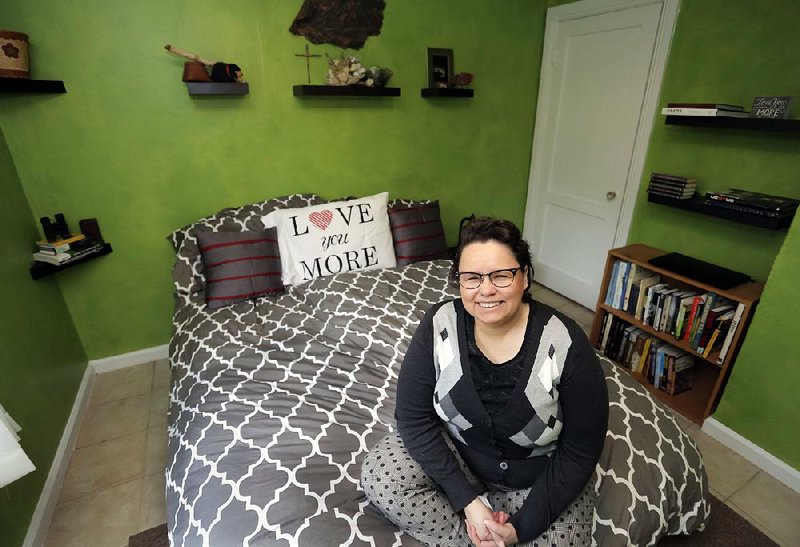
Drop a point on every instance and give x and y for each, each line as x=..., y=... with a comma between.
x=347, y=70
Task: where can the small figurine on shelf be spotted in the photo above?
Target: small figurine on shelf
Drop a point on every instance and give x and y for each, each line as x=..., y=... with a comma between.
x=377, y=76
x=197, y=70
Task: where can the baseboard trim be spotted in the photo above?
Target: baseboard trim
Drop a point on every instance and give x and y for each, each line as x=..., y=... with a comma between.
x=45, y=507
x=116, y=362
x=753, y=453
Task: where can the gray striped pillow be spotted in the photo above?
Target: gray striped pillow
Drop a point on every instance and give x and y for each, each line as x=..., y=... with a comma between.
x=417, y=232
x=240, y=266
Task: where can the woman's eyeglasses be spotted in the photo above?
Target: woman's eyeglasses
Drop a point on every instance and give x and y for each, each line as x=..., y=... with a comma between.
x=499, y=278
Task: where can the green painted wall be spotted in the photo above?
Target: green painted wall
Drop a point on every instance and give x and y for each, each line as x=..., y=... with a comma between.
x=41, y=362
x=724, y=52
x=127, y=145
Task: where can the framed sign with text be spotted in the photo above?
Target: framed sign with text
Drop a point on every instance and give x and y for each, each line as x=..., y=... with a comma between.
x=770, y=107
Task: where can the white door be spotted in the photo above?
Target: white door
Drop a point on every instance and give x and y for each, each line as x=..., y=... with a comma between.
x=601, y=72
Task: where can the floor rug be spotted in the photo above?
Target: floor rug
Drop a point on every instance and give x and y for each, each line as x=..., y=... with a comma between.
x=725, y=528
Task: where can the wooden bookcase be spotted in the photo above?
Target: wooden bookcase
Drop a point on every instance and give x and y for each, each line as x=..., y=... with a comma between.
x=700, y=401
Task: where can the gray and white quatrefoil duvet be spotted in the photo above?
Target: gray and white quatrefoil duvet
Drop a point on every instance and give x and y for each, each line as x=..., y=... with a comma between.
x=275, y=402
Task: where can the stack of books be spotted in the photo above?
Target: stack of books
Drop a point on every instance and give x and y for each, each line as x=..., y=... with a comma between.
x=753, y=202
x=663, y=366
x=64, y=251
x=705, y=109
x=672, y=186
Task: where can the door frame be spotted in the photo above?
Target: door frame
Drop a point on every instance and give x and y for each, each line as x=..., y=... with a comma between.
x=647, y=116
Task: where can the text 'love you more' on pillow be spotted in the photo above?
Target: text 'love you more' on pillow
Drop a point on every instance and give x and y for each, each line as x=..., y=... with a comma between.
x=335, y=237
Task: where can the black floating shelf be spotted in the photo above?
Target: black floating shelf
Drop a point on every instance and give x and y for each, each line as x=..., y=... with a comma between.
x=344, y=91
x=218, y=88
x=763, y=124
x=447, y=92
x=697, y=205
x=24, y=85
x=43, y=269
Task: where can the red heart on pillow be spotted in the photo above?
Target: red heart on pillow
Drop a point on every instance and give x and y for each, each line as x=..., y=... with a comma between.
x=321, y=219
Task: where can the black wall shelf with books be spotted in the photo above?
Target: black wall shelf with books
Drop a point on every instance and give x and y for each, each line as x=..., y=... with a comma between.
x=344, y=91
x=43, y=269
x=763, y=124
x=697, y=205
x=25, y=85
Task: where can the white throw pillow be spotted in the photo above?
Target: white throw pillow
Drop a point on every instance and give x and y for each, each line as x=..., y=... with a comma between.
x=335, y=237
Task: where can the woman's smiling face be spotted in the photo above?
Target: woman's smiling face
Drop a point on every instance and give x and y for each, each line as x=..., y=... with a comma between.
x=488, y=304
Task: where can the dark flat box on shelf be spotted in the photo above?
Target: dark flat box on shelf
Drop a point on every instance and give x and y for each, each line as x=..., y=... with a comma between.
x=705, y=272
x=344, y=91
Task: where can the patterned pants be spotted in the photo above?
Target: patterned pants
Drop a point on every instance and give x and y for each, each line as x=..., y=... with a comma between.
x=397, y=485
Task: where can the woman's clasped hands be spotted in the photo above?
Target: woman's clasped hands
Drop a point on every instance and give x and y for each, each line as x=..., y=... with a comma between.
x=487, y=528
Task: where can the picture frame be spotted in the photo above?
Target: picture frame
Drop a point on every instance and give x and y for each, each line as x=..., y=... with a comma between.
x=440, y=67
x=771, y=107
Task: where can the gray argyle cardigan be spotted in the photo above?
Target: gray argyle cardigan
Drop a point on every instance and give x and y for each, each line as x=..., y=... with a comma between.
x=547, y=438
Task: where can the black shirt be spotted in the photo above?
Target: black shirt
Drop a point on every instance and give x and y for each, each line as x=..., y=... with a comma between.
x=494, y=382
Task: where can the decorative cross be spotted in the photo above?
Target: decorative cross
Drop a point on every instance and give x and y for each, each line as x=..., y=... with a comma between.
x=308, y=57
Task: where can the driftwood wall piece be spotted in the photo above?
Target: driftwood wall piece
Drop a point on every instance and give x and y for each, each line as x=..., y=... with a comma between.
x=343, y=23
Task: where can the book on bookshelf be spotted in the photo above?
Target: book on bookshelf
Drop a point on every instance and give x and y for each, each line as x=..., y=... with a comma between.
x=697, y=328
x=755, y=200
x=44, y=244
x=677, y=180
x=622, y=280
x=637, y=273
x=711, y=324
x=53, y=250
x=717, y=337
x=55, y=259
x=649, y=304
x=644, y=286
x=707, y=112
x=612, y=283
x=671, y=187
x=726, y=345
x=680, y=376
x=691, y=319
x=604, y=332
x=672, y=194
x=685, y=306
x=718, y=106
x=77, y=250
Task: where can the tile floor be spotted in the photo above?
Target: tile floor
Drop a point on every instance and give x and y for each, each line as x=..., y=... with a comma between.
x=114, y=485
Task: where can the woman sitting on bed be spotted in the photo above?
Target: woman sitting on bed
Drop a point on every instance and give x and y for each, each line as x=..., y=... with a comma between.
x=501, y=411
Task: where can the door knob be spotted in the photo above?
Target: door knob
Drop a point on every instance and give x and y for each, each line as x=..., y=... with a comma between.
x=611, y=195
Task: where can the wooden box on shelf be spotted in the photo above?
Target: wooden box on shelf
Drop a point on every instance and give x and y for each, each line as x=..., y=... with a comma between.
x=709, y=371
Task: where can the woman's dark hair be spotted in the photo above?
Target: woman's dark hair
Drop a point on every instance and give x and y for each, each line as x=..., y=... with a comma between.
x=483, y=229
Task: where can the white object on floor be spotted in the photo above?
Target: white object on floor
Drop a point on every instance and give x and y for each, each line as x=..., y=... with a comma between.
x=14, y=463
